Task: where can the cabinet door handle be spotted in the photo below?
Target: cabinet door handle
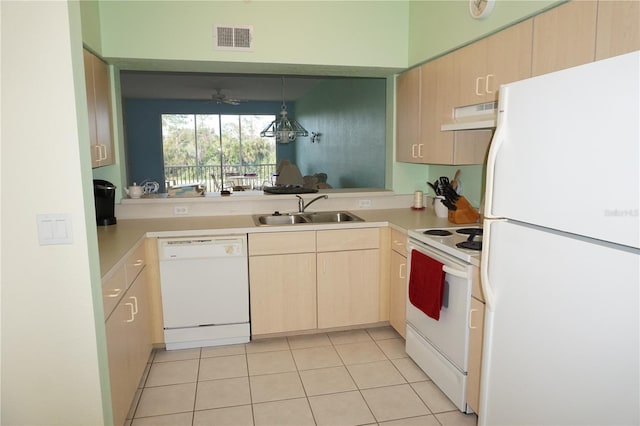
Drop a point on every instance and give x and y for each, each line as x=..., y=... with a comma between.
x=116, y=293
x=103, y=149
x=471, y=326
x=478, y=80
x=138, y=262
x=420, y=150
x=97, y=154
x=135, y=305
x=488, y=84
x=400, y=274
x=413, y=150
x=133, y=315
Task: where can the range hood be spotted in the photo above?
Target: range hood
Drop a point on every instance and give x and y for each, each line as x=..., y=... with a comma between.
x=472, y=117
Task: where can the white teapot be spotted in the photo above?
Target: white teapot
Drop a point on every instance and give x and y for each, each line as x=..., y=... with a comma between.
x=134, y=191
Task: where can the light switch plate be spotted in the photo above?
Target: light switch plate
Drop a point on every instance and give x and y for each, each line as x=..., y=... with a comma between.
x=54, y=229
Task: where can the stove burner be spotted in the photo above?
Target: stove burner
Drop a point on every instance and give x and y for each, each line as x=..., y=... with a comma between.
x=470, y=231
x=471, y=245
x=437, y=232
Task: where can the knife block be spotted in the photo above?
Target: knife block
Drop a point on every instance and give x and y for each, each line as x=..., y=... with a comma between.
x=465, y=213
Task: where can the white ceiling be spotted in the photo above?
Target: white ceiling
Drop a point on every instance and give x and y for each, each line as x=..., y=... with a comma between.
x=193, y=86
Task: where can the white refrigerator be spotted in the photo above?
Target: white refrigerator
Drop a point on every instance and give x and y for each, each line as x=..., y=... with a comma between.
x=561, y=253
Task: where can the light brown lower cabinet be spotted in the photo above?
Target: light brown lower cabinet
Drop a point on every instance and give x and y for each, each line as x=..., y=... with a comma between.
x=304, y=280
x=282, y=281
x=348, y=277
x=348, y=288
x=398, y=293
x=476, y=327
x=128, y=346
x=283, y=293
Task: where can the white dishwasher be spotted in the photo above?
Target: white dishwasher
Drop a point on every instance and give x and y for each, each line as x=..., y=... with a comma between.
x=205, y=290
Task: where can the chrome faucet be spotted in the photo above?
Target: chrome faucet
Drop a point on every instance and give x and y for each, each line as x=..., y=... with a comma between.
x=302, y=206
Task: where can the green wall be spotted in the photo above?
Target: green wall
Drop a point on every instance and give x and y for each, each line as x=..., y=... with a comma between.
x=436, y=27
x=350, y=115
x=369, y=34
x=90, y=21
x=348, y=38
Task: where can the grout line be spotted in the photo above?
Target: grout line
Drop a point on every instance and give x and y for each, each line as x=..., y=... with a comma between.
x=246, y=360
x=298, y=371
x=304, y=390
x=195, y=394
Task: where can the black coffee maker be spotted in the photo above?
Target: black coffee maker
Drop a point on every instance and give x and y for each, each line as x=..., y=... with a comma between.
x=104, y=193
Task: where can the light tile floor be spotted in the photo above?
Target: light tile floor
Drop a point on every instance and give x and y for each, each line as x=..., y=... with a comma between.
x=357, y=377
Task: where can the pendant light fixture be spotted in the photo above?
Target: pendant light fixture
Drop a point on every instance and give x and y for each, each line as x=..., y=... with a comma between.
x=285, y=130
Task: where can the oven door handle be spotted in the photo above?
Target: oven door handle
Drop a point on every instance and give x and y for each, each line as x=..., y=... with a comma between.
x=455, y=272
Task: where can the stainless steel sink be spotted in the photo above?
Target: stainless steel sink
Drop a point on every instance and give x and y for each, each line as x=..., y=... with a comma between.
x=285, y=219
x=331, y=217
x=306, y=218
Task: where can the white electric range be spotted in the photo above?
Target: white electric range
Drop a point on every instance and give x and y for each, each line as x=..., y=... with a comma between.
x=441, y=347
x=462, y=242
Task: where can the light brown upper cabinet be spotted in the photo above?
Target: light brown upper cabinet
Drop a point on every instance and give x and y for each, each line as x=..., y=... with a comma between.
x=428, y=95
x=99, y=107
x=564, y=37
x=437, y=93
x=483, y=66
x=407, y=116
x=618, y=28
x=439, y=90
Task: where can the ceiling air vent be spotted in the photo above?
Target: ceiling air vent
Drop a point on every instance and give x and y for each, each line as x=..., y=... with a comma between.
x=232, y=38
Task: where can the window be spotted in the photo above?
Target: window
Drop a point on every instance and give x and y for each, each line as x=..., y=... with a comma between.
x=222, y=151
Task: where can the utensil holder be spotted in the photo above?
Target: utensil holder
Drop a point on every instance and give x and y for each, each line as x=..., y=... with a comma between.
x=465, y=213
x=441, y=209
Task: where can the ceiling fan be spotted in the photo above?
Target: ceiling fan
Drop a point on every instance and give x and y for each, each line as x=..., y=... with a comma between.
x=221, y=98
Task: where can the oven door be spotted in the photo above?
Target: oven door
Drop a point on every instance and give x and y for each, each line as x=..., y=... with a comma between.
x=450, y=334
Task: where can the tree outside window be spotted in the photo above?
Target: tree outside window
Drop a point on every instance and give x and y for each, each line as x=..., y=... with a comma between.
x=211, y=147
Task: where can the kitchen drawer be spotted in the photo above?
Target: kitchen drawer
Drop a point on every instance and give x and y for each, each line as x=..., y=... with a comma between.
x=348, y=239
x=282, y=243
x=399, y=242
x=112, y=290
x=135, y=263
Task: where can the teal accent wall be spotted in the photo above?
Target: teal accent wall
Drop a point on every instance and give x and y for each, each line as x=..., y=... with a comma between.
x=350, y=115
